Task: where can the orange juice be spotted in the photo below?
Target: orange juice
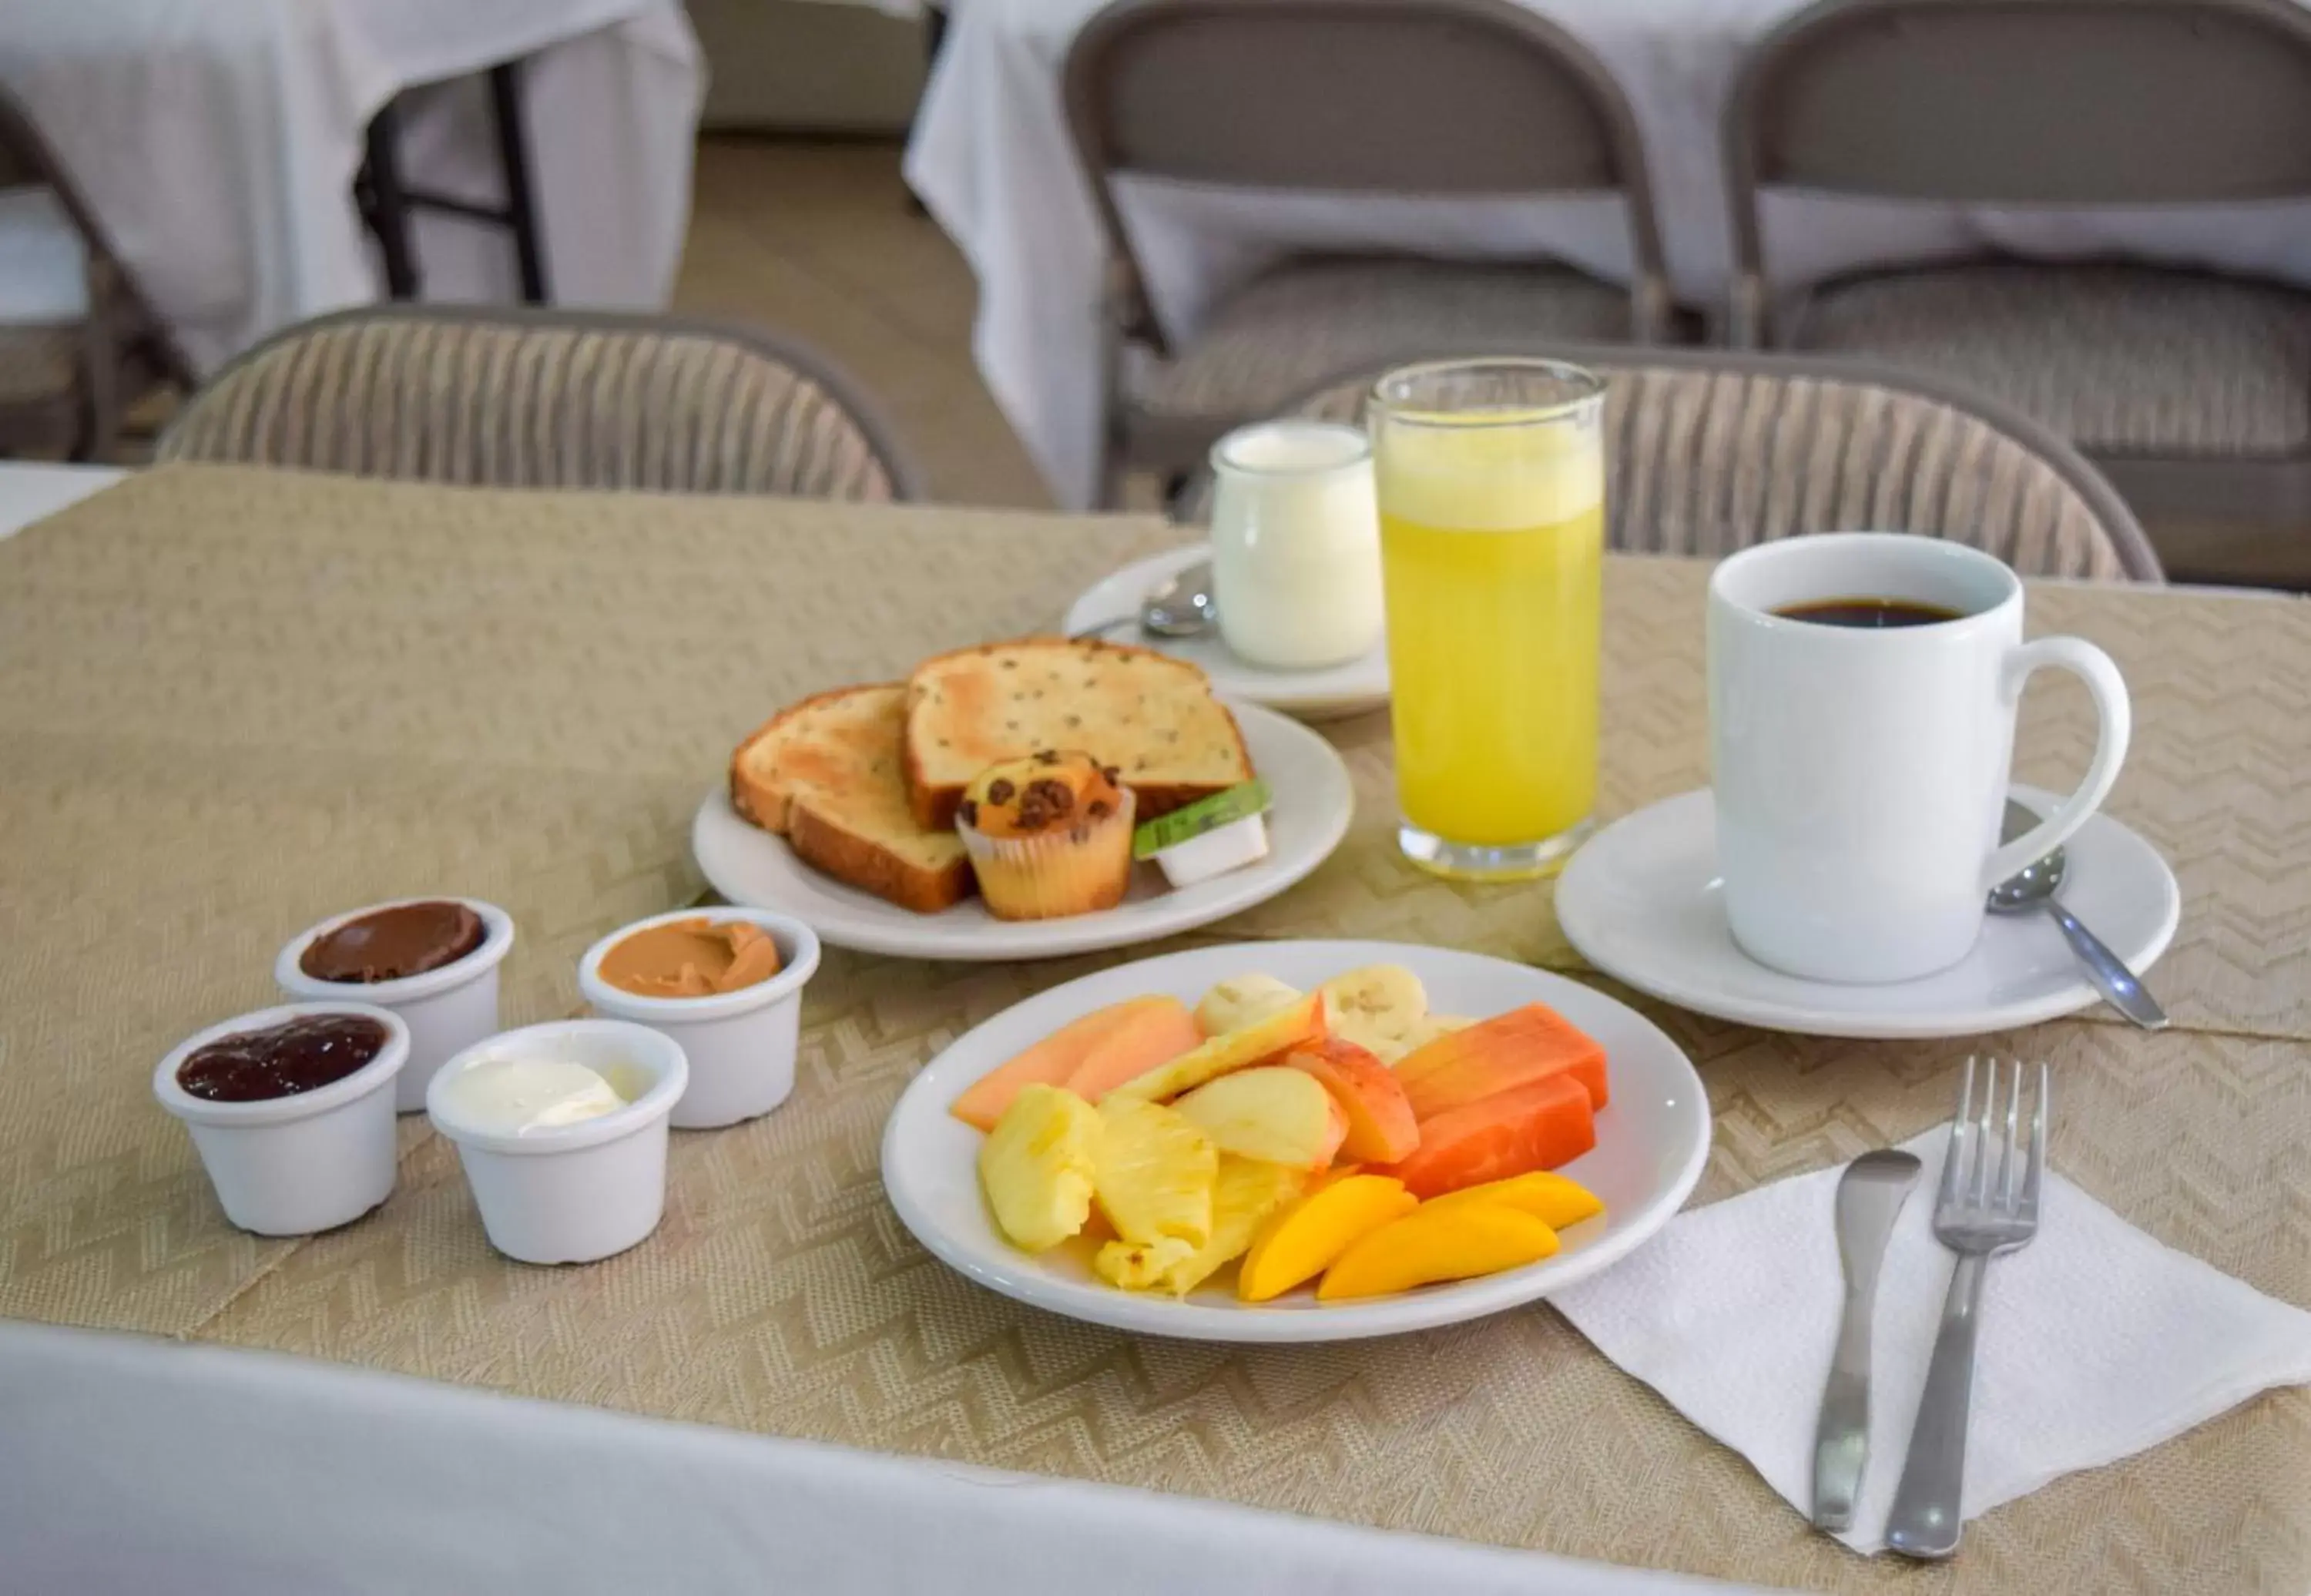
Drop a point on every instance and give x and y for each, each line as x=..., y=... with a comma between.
x=1492, y=543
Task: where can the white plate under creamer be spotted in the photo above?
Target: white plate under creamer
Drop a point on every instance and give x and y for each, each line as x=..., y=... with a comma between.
x=1333, y=693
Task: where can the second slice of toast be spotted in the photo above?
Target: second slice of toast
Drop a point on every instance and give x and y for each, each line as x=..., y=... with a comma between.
x=1152, y=717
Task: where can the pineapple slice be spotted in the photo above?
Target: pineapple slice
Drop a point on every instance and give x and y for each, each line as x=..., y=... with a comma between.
x=1136, y=1266
x=1037, y=1166
x=1154, y=1179
x=1246, y=1191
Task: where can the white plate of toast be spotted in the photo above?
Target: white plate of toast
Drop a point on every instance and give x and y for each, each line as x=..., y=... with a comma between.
x=1334, y=692
x=840, y=809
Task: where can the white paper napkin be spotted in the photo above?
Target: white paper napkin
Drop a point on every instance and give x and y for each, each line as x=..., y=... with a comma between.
x=2095, y=1340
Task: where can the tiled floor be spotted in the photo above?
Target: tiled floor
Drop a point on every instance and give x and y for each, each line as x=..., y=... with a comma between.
x=817, y=239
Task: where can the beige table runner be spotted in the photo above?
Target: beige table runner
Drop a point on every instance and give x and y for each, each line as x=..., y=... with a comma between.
x=233, y=702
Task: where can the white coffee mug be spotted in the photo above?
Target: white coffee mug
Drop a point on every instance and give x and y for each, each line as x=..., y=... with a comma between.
x=1860, y=774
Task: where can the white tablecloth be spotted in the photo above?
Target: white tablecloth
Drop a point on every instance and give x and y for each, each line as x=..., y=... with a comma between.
x=217, y=141
x=131, y=1465
x=991, y=158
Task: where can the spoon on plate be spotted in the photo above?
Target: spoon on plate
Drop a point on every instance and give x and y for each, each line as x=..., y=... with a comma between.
x=1179, y=607
x=2033, y=888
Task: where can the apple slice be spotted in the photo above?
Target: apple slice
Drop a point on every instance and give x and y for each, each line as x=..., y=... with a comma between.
x=1278, y=1115
x=1231, y=1050
x=1380, y=1125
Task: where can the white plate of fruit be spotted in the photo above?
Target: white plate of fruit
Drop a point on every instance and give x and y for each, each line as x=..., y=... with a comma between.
x=1298, y=1141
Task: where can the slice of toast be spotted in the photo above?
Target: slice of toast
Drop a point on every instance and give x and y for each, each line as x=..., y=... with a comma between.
x=1152, y=717
x=827, y=774
x=817, y=745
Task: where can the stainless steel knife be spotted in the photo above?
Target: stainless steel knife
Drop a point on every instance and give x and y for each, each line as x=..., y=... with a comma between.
x=1868, y=1198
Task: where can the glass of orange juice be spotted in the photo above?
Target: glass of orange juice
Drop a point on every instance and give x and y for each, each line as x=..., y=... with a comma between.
x=1491, y=477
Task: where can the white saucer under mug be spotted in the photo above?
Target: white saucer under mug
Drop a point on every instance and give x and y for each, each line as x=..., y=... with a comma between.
x=1643, y=902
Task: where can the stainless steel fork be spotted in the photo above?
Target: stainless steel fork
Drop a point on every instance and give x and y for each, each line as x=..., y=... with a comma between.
x=1981, y=1211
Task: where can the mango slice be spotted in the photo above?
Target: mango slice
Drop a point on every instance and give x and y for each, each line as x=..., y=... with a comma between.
x=1305, y=1239
x=1426, y=1247
x=1556, y=1200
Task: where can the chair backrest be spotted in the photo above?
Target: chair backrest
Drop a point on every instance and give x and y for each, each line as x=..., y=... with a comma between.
x=2069, y=102
x=1428, y=97
x=1707, y=452
x=497, y=397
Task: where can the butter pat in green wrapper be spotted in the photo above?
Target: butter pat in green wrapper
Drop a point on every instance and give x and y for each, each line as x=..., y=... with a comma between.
x=1210, y=837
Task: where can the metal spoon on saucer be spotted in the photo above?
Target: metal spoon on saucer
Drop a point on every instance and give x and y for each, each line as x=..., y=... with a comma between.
x=2034, y=889
x=1182, y=607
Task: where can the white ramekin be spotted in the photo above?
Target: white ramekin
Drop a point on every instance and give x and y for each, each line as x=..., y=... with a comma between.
x=741, y=1044
x=445, y=1010
x=292, y=1165
x=570, y=1193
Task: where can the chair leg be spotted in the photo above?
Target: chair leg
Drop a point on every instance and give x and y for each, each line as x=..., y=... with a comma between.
x=521, y=204
x=1112, y=477
x=387, y=206
x=96, y=432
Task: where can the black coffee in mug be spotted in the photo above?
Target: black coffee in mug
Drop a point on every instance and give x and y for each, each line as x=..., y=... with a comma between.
x=1872, y=614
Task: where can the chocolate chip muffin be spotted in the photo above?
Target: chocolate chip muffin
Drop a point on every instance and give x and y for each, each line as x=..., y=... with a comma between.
x=1048, y=836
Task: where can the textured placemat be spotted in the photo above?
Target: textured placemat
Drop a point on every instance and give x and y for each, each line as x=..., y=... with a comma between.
x=232, y=701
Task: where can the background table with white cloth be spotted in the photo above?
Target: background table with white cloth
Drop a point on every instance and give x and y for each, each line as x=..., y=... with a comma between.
x=991, y=157
x=217, y=142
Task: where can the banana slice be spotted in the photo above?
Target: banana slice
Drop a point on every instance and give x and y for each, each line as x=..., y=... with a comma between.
x=1379, y=1008
x=1242, y=1000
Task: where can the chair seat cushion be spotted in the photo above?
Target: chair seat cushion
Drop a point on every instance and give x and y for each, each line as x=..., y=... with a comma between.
x=2119, y=359
x=1296, y=324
